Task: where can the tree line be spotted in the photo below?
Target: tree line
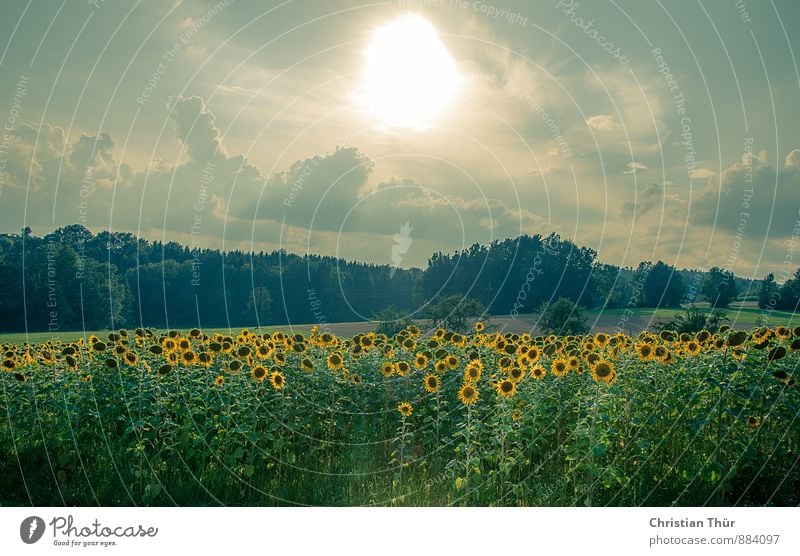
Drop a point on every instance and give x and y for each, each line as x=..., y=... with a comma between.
x=75, y=279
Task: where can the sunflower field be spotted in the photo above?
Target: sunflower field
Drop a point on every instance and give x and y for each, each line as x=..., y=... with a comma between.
x=439, y=418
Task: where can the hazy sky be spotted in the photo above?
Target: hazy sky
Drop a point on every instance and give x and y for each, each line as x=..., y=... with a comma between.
x=641, y=129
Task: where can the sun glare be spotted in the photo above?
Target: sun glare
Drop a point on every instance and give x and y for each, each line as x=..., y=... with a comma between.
x=409, y=76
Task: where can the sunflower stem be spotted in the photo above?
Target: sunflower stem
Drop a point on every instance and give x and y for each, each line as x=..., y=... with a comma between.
x=468, y=454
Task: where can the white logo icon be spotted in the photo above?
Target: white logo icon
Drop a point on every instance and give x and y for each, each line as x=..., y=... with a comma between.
x=402, y=242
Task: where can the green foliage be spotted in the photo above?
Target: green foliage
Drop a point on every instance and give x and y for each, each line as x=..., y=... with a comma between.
x=719, y=287
x=453, y=311
x=660, y=285
x=125, y=280
x=128, y=280
x=513, y=275
x=693, y=319
x=261, y=302
x=715, y=428
x=562, y=317
x=787, y=297
x=767, y=291
x=391, y=321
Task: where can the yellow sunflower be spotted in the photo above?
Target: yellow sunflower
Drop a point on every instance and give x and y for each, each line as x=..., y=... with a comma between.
x=603, y=371
x=693, y=347
x=189, y=357
x=601, y=339
x=219, y=381
x=559, y=367
x=259, y=373
x=574, y=364
x=387, y=369
x=405, y=409
x=277, y=380
x=402, y=368
x=468, y=394
x=515, y=374
x=472, y=373
x=506, y=388
x=335, y=361
x=431, y=383
x=645, y=351
x=263, y=351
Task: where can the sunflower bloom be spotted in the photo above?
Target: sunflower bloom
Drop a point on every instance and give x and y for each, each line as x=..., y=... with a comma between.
x=559, y=367
x=277, y=380
x=432, y=383
x=259, y=373
x=335, y=361
x=387, y=369
x=506, y=388
x=603, y=371
x=468, y=394
x=405, y=409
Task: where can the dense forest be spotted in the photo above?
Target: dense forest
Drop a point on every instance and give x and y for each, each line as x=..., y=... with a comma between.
x=74, y=279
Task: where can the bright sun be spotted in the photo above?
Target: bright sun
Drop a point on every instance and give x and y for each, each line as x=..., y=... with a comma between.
x=409, y=76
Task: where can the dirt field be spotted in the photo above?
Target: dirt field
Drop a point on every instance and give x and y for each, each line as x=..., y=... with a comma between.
x=630, y=321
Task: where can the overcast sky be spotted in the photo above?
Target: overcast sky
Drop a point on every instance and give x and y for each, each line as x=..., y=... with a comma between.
x=642, y=129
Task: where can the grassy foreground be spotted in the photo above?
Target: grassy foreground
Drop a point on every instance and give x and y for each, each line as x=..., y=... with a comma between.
x=163, y=418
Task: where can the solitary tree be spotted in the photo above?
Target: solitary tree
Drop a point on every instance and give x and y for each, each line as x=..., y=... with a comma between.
x=391, y=320
x=453, y=311
x=562, y=317
x=693, y=319
x=719, y=287
x=766, y=290
x=660, y=284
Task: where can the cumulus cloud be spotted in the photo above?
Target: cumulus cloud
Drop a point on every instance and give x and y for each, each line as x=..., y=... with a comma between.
x=212, y=196
x=633, y=167
x=652, y=196
x=792, y=160
x=765, y=197
x=195, y=127
x=601, y=121
x=701, y=174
